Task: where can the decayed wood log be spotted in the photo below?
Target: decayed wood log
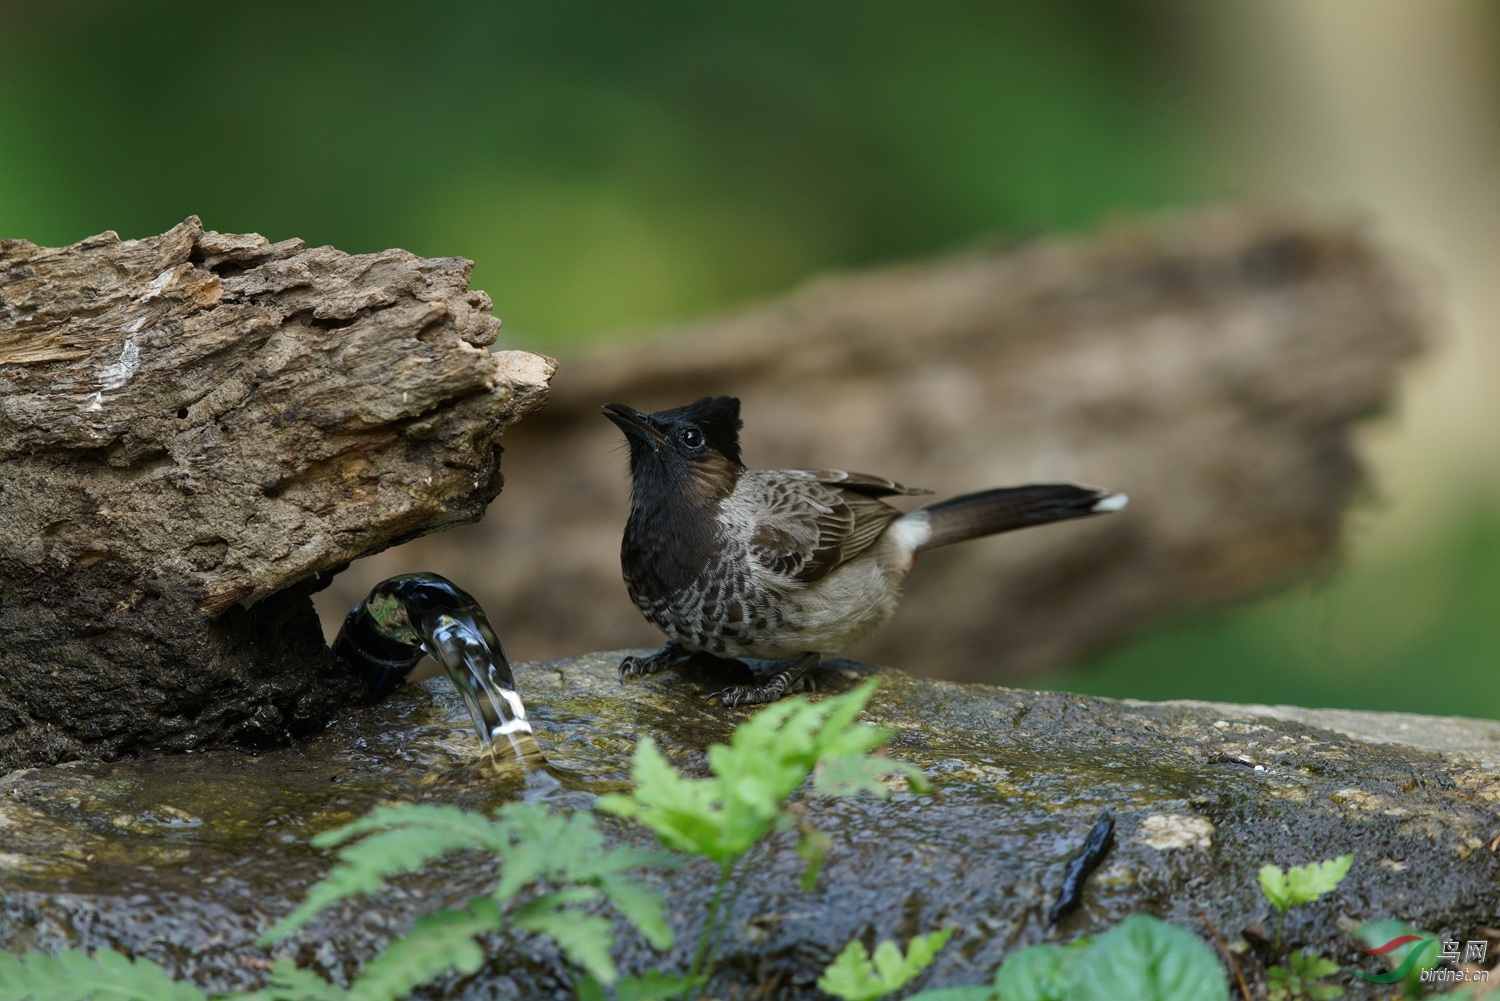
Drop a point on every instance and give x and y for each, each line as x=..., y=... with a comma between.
x=193, y=429
x=1210, y=365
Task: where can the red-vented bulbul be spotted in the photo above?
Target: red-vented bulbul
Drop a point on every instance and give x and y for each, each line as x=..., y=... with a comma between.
x=783, y=563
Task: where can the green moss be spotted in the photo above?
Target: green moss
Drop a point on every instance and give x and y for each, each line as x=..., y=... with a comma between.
x=207, y=850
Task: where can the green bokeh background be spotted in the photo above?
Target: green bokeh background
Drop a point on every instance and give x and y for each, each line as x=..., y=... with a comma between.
x=612, y=166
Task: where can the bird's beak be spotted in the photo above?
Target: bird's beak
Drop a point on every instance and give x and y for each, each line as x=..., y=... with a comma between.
x=632, y=422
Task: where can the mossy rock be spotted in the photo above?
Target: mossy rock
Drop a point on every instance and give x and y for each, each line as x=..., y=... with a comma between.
x=188, y=858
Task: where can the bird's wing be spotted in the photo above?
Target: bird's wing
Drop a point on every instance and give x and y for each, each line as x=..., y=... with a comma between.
x=810, y=521
x=864, y=483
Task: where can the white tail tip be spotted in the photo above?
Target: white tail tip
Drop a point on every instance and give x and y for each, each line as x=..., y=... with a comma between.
x=1114, y=502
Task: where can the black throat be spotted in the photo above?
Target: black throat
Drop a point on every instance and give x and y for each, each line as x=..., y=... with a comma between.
x=672, y=535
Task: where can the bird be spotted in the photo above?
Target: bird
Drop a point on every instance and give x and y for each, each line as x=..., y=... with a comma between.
x=783, y=564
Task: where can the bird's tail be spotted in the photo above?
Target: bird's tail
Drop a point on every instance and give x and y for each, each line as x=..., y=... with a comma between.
x=1006, y=508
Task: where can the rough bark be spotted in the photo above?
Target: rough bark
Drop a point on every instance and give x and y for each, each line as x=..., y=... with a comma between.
x=1211, y=366
x=193, y=428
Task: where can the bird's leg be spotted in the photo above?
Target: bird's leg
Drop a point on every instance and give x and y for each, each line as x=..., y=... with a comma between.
x=671, y=655
x=780, y=683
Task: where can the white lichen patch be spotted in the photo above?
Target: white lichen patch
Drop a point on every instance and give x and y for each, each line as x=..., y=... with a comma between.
x=1169, y=831
x=1117, y=877
x=993, y=777
x=1238, y=726
x=895, y=783
x=19, y=815
x=159, y=285
x=118, y=373
x=171, y=816
x=1431, y=828
x=158, y=818
x=1358, y=799
x=1489, y=792
x=1291, y=792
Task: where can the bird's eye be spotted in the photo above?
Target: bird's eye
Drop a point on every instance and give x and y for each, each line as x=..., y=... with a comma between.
x=692, y=438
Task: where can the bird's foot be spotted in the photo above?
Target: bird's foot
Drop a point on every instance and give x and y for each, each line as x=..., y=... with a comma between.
x=668, y=656
x=755, y=695
x=782, y=683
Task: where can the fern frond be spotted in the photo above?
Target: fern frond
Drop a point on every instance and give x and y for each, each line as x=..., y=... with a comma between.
x=74, y=975
x=641, y=906
x=397, y=838
x=768, y=758
x=540, y=845
x=288, y=983
x=584, y=938
x=438, y=943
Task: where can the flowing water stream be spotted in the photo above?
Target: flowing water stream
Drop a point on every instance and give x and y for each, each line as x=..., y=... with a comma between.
x=412, y=616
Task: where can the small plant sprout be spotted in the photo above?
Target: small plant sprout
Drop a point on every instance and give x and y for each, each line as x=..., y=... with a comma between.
x=1299, y=979
x=1301, y=884
x=769, y=757
x=859, y=975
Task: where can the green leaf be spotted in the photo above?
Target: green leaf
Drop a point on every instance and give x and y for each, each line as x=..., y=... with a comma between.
x=856, y=975
x=535, y=845
x=1298, y=981
x=768, y=757
x=585, y=939
x=1145, y=959
x=395, y=838
x=1302, y=884
x=539, y=845
x=1309, y=882
x=1273, y=885
x=856, y=773
x=641, y=906
x=981, y=992
x=682, y=812
x=1038, y=973
x=812, y=845
x=74, y=975
x=288, y=983
x=589, y=989
x=652, y=986
x=1311, y=966
x=437, y=943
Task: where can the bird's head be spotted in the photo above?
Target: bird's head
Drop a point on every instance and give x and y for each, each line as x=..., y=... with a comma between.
x=694, y=450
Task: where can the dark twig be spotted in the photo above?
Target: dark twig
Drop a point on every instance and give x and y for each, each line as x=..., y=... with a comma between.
x=1095, y=847
x=1233, y=963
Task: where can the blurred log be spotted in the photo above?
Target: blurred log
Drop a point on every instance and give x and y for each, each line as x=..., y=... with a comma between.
x=1210, y=365
x=191, y=425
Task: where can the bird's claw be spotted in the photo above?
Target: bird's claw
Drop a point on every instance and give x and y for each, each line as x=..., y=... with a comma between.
x=668, y=656
x=633, y=666
x=753, y=695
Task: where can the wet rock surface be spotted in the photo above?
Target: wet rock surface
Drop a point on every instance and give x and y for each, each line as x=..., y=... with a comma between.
x=188, y=858
x=195, y=429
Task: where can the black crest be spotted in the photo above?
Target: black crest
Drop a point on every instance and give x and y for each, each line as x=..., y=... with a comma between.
x=718, y=417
